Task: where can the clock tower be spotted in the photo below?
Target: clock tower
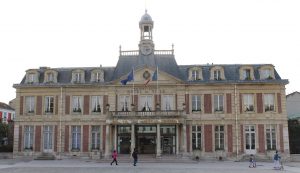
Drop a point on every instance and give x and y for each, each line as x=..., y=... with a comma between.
x=146, y=46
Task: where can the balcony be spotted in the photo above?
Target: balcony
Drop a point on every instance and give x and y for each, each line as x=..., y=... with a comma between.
x=148, y=114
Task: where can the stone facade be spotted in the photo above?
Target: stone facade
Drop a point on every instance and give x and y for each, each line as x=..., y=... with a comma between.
x=218, y=111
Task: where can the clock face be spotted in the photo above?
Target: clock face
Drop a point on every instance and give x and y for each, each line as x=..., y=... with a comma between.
x=146, y=49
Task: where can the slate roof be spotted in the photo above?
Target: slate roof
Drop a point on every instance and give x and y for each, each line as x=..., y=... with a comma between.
x=166, y=63
x=5, y=106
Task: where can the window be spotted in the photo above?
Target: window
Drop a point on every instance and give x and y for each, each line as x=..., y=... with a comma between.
x=30, y=104
x=196, y=137
x=31, y=78
x=96, y=137
x=98, y=77
x=49, y=104
x=218, y=103
x=271, y=137
x=195, y=75
x=96, y=103
x=28, y=137
x=77, y=77
x=269, y=102
x=248, y=102
x=247, y=74
x=217, y=75
x=196, y=103
x=124, y=103
x=50, y=77
x=77, y=102
x=168, y=103
x=146, y=103
x=219, y=137
x=76, y=137
x=266, y=74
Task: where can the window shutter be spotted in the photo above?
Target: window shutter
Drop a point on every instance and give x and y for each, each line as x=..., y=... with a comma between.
x=67, y=137
x=208, y=139
x=56, y=105
x=105, y=102
x=241, y=103
x=55, y=138
x=228, y=103
x=85, y=147
x=39, y=105
x=67, y=105
x=37, y=146
x=86, y=105
x=279, y=102
x=21, y=105
x=20, y=138
x=187, y=103
x=259, y=103
x=261, y=138
x=207, y=104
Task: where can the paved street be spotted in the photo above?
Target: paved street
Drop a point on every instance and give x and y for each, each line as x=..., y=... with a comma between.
x=88, y=166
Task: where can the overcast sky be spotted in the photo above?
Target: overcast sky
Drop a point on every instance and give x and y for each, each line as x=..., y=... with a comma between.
x=87, y=33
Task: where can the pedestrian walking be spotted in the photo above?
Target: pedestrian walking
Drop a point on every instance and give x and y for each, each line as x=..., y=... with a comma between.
x=277, y=160
x=135, y=156
x=114, y=156
x=252, y=162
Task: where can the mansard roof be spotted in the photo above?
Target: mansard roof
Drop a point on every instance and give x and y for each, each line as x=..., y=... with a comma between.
x=165, y=63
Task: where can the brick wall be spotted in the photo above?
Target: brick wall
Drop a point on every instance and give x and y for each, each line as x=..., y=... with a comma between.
x=38, y=137
x=261, y=138
x=85, y=147
x=229, y=138
x=208, y=138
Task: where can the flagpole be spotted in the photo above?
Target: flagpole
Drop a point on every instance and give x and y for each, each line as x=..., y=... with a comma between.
x=133, y=86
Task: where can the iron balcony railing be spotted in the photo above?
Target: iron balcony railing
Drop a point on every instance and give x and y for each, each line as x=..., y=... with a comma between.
x=152, y=114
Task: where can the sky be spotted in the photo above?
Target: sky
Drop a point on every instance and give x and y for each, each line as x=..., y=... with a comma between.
x=88, y=33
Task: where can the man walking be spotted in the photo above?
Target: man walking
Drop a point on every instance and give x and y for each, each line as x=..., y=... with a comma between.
x=135, y=157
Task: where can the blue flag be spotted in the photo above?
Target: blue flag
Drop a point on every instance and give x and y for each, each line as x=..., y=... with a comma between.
x=154, y=76
x=129, y=78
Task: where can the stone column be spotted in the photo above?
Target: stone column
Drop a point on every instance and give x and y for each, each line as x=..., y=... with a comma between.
x=177, y=139
x=107, y=142
x=184, y=146
x=132, y=138
x=158, y=149
x=115, y=137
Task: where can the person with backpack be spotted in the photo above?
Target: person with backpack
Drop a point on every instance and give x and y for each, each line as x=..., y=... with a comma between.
x=114, y=156
x=277, y=160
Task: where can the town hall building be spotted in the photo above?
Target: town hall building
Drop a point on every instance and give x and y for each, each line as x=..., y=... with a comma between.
x=149, y=102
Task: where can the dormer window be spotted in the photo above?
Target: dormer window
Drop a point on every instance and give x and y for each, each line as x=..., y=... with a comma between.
x=217, y=73
x=97, y=75
x=195, y=73
x=246, y=72
x=78, y=76
x=50, y=76
x=266, y=72
x=32, y=76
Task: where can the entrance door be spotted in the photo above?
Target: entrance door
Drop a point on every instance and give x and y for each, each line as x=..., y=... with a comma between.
x=124, y=144
x=250, y=139
x=168, y=144
x=48, y=139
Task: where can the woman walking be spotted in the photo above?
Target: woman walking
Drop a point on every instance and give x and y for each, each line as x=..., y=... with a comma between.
x=114, y=156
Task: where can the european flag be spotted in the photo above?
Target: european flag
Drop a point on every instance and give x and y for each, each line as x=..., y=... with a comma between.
x=129, y=78
x=154, y=76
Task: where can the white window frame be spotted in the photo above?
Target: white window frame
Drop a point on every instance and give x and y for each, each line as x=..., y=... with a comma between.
x=196, y=137
x=248, y=102
x=76, y=138
x=196, y=103
x=218, y=103
x=146, y=103
x=247, y=74
x=30, y=104
x=96, y=106
x=219, y=137
x=269, y=102
x=77, y=104
x=217, y=74
x=124, y=103
x=168, y=102
x=28, y=137
x=49, y=104
x=96, y=137
x=271, y=137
